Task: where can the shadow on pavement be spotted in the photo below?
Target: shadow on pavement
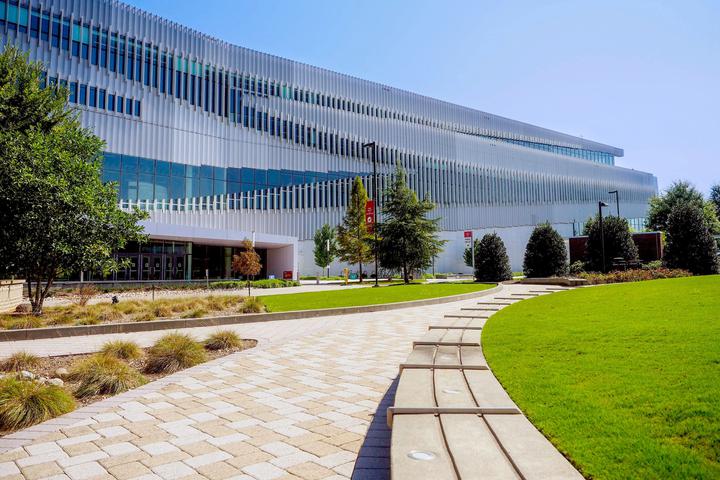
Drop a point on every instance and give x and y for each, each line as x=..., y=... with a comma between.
x=373, y=461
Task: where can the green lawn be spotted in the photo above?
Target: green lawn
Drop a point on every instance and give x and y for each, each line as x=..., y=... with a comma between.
x=624, y=379
x=367, y=296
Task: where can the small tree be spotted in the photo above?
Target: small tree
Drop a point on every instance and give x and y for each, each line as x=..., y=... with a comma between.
x=545, y=254
x=681, y=192
x=491, y=260
x=715, y=198
x=408, y=238
x=618, y=242
x=690, y=245
x=247, y=262
x=56, y=215
x=352, y=236
x=467, y=254
x=325, y=246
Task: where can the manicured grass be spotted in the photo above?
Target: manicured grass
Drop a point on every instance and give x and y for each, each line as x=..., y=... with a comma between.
x=624, y=379
x=367, y=296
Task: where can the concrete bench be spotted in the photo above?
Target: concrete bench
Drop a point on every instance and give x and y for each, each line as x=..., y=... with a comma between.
x=453, y=420
x=451, y=337
x=445, y=357
x=460, y=322
x=468, y=315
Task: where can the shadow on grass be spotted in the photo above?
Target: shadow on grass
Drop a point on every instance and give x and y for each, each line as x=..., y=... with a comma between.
x=373, y=461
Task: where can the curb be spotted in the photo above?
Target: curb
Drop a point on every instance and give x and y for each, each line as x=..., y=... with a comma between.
x=82, y=330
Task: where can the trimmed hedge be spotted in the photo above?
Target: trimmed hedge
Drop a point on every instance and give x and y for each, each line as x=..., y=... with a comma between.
x=545, y=254
x=491, y=260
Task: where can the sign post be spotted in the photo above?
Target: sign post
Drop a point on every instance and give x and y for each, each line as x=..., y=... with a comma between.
x=470, y=244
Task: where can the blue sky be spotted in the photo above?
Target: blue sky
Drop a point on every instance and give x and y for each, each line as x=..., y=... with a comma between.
x=641, y=75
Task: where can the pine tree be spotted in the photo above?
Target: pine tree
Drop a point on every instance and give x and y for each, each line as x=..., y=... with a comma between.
x=690, y=245
x=491, y=260
x=545, y=254
x=352, y=236
x=408, y=238
x=325, y=246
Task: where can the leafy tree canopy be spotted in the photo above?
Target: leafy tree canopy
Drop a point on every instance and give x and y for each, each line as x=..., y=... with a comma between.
x=247, y=262
x=408, y=238
x=57, y=216
x=680, y=192
x=690, y=245
x=715, y=198
x=325, y=246
x=467, y=254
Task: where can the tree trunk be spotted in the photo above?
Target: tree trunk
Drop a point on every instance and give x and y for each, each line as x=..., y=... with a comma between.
x=36, y=299
x=405, y=274
x=248, y=285
x=360, y=272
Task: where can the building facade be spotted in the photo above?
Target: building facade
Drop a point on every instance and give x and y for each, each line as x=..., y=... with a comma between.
x=221, y=143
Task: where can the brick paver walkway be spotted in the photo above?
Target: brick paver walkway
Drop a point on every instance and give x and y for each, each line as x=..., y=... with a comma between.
x=297, y=406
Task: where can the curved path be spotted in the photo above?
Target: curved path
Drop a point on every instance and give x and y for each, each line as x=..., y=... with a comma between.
x=299, y=405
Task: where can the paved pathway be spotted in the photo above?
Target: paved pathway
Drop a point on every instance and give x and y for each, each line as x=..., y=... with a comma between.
x=297, y=406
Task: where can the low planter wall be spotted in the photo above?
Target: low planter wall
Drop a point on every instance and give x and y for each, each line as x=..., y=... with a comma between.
x=80, y=330
x=11, y=294
x=561, y=281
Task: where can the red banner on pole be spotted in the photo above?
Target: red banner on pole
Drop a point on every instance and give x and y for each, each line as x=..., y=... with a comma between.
x=370, y=216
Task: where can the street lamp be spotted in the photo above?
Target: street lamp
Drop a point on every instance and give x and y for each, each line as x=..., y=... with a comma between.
x=602, y=233
x=375, y=203
x=617, y=201
x=327, y=247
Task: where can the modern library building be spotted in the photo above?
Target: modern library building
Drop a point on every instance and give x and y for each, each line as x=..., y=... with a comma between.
x=221, y=143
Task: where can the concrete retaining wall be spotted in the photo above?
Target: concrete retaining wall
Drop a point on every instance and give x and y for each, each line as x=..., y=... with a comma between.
x=11, y=294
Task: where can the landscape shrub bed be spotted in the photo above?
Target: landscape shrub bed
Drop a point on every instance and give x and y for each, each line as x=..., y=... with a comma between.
x=134, y=311
x=266, y=283
x=314, y=277
x=51, y=386
x=633, y=275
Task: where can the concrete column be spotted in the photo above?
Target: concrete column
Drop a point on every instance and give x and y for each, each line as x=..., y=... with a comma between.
x=228, y=262
x=188, y=260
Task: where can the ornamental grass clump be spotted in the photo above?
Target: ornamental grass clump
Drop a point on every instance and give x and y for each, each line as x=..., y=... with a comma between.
x=252, y=305
x=24, y=403
x=122, y=349
x=20, y=361
x=24, y=322
x=104, y=375
x=174, y=352
x=222, y=340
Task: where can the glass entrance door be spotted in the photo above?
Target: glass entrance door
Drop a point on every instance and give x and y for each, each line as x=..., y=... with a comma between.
x=174, y=267
x=152, y=266
x=130, y=272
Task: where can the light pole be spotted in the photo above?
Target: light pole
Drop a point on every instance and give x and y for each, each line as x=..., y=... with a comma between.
x=602, y=232
x=375, y=204
x=617, y=200
x=327, y=247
